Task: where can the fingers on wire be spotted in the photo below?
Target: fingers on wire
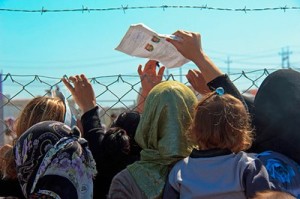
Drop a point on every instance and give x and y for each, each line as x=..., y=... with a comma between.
x=78, y=81
x=73, y=79
x=78, y=78
x=84, y=78
x=67, y=84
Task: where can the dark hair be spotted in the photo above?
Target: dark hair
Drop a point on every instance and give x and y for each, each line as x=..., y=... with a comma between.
x=129, y=121
x=115, y=145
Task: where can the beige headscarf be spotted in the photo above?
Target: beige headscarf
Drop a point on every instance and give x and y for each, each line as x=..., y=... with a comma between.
x=162, y=134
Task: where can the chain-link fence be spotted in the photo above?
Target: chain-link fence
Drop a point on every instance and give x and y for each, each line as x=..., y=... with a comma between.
x=114, y=94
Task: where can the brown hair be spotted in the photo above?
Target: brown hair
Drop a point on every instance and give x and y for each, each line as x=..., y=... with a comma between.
x=7, y=168
x=37, y=110
x=221, y=122
x=269, y=194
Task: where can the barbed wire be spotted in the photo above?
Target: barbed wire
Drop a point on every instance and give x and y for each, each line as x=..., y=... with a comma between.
x=163, y=7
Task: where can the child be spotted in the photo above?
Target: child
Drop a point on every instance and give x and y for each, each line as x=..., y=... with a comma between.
x=219, y=168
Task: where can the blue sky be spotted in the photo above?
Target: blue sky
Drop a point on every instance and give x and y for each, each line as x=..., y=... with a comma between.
x=55, y=44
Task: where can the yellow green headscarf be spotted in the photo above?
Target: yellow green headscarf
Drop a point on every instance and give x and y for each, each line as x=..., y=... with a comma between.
x=162, y=134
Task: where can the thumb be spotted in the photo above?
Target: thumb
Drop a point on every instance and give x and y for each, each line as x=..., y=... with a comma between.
x=175, y=43
x=140, y=72
x=161, y=72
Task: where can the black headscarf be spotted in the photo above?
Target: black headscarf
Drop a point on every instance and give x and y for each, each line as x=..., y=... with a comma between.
x=277, y=114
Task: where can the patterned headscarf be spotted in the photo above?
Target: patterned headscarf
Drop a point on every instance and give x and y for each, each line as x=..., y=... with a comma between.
x=162, y=134
x=52, y=149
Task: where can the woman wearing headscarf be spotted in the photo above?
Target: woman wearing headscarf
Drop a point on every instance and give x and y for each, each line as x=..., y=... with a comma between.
x=110, y=161
x=276, y=116
x=162, y=136
x=38, y=109
x=161, y=132
x=52, y=161
x=277, y=123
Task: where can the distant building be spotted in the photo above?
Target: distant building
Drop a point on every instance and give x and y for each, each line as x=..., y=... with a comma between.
x=13, y=107
x=10, y=109
x=250, y=94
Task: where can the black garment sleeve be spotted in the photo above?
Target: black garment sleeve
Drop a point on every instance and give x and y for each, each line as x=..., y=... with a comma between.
x=170, y=192
x=94, y=134
x=93, y=131
x=230, y=88
x=256, y=178
x=10, y=187
x=57, y=184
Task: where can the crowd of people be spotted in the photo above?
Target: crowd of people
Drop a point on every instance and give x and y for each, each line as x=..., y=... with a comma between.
x=171, y=146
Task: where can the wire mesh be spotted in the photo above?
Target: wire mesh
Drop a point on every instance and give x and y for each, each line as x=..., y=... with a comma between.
x=114, y=94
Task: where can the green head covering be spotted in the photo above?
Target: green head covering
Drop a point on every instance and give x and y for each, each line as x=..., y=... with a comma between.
x=162, y=134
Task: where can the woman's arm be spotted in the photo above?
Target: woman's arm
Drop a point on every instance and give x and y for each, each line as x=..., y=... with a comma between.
x=84, y=96
x=189, y=45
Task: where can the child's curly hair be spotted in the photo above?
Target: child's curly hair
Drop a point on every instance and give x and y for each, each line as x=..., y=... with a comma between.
x=221, y=121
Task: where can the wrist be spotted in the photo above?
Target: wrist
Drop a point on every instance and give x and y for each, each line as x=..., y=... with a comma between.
x=87, y=107
x=145, y=93
x=199, y=57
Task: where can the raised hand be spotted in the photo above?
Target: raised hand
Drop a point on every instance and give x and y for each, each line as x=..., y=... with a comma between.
x=197, y=81
x=188, y=44
x=82, y=91
x=149, y=77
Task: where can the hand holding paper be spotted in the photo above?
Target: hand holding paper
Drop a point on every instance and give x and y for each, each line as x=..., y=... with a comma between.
x=141, y=41
x=188, y=44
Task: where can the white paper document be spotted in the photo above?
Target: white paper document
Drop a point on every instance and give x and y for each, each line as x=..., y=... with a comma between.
x=141, y=41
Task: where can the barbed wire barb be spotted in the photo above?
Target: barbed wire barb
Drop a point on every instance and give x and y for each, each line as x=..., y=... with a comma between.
x=284, y=8
x=204, y=7
x=164, y=7
x=42, y=10
x=245, y=10
x=85, y=9
x=124, y=8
